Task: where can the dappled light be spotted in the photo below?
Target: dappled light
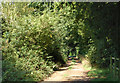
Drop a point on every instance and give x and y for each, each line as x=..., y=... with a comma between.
x=65, y=41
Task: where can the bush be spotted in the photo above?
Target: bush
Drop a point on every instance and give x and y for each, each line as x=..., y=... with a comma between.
x=30, y=45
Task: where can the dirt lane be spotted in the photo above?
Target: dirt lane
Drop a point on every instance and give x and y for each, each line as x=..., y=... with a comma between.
x=71, y=73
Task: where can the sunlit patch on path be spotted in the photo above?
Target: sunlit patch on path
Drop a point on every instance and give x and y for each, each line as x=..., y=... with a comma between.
x=75, y=72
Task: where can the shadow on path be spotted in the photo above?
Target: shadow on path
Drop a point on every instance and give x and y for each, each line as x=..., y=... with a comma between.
x=71, y=73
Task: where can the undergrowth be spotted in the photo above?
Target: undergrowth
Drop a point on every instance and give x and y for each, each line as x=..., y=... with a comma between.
x=101, y=75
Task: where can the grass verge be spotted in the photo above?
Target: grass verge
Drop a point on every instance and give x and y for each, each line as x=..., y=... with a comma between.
x=104, y=75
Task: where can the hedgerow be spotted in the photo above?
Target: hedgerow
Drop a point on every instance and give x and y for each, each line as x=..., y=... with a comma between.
x=37, y=37
x=30, y=45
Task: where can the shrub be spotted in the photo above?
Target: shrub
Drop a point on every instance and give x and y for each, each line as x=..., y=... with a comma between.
x=30, y=45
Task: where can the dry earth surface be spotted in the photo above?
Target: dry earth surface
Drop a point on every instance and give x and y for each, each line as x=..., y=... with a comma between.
x=70, y=74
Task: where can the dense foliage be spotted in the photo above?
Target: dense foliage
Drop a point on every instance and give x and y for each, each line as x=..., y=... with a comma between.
x=39, y=36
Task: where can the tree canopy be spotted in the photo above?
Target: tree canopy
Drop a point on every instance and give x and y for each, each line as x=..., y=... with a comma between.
x=38, y=36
